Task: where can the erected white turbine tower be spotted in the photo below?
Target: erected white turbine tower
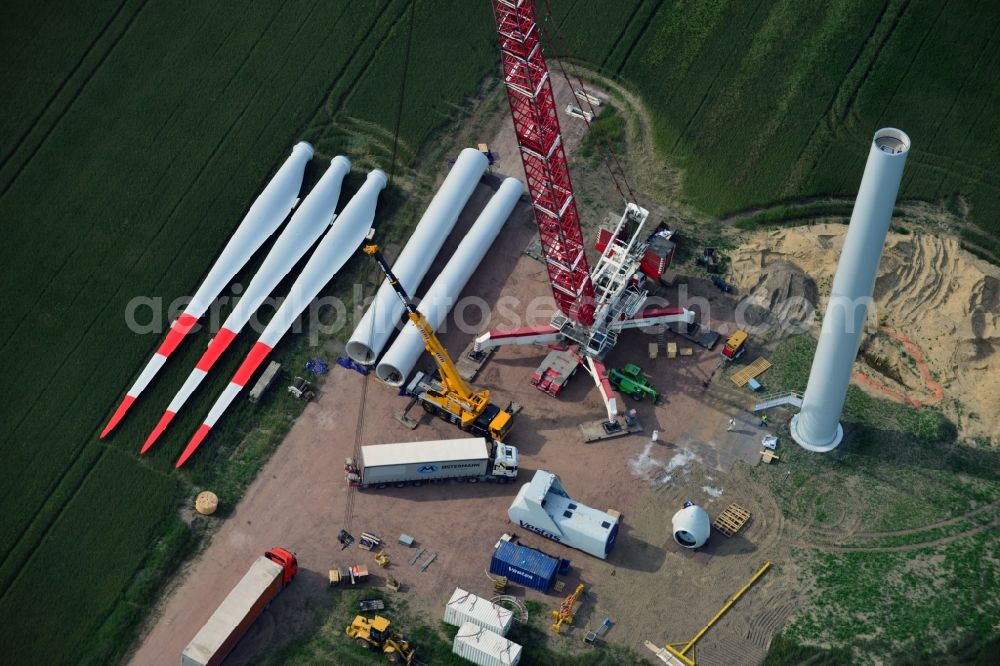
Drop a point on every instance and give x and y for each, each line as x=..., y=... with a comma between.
x=817, y=426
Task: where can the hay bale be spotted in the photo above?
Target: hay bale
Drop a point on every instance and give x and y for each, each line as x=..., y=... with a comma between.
x=206, y=503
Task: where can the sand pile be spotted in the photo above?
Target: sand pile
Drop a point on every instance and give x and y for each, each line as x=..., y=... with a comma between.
x=783, y=293
x=929, y=292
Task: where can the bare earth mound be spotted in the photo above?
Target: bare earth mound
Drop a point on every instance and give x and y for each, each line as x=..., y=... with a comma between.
x=932, y=300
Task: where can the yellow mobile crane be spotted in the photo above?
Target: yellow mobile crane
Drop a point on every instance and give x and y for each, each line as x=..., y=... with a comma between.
x=447, y=395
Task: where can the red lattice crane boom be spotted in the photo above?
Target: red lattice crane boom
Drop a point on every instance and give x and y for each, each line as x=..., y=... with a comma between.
x=533, y=107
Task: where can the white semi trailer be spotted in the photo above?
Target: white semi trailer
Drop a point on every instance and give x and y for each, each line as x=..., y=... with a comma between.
x=471, y=459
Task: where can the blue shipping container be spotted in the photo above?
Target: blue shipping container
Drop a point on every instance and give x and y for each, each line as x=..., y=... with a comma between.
x=525, y=566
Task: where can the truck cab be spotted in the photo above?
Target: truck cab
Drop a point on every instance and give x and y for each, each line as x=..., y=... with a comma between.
x=505, y=462
x=735, y=346
x=286, y=560
x=494, y=423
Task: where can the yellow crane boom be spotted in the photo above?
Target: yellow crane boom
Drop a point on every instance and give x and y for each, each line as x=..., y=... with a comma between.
x=565, y=613
x=676, y=654
x=455, y=395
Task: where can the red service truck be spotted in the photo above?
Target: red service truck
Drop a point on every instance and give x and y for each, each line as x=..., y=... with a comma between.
x=267, y=576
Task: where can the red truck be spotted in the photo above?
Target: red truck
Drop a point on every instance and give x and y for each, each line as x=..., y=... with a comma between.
x=555, y=371
x=267, y=576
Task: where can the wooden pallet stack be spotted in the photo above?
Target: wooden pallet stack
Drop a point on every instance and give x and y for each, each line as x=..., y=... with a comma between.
x=732, y=520
x=741, y=377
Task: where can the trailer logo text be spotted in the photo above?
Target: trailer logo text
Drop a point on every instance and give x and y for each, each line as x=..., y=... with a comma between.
x=538, y=530
x=431, y=469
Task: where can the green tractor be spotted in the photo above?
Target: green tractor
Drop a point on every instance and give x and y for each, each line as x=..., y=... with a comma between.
x=630, y=380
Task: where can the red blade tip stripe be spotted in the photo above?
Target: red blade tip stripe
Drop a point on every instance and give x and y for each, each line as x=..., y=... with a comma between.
x=119, y=415
x=178, y=330
x=252, y=362
x=193, y=444
x=157, y=431
x=218, y=345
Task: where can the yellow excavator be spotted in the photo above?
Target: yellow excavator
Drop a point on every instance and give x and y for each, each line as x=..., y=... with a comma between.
x=565, y=613
x=447, y=395
x=374, y=635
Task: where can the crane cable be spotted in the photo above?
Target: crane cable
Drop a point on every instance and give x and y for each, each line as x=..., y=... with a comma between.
x=402, y=90
x=604, y=139
x=556, y=34
x=359, y=428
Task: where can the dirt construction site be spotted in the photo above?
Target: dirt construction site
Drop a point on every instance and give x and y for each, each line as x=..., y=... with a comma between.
x=646, y=481
x=651, y=588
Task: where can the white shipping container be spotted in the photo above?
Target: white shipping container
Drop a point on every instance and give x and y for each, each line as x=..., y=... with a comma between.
x=484, y=647
x=467, y=607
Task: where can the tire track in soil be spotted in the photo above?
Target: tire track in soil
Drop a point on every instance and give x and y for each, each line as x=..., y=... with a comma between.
x=82, y=447
x=76, y=95
x=568, y=13
x=352, y=491
x=961, y=89
x=326, y=120
x=195, y=229
x=846, y=523
x=623, y=32
x=180, y=153
x=746, y=635
x=932, y=543
x=984, y=175
x=52, y=276
x=152, y=243
x=830, y=117
x=916, y=53
x=773, y=534
x=182, y=104
x=97, y=459
x=62, y=85
x=946, y=172
x=916, y=530
x=722, y=67
x=745, y=213
x=638, y=38
x=975, y=123
x=86, y=473
x=778, y=607
x=318, y=110
x=849, y=104
x=918, y=159
x=371, y=58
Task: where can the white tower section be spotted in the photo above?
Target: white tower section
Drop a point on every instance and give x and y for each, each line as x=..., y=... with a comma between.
x=817, y=426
